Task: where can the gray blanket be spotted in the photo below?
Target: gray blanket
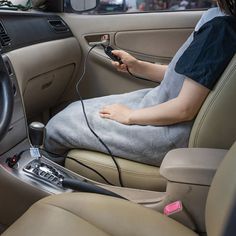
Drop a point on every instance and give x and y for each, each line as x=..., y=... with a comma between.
x=146, y=144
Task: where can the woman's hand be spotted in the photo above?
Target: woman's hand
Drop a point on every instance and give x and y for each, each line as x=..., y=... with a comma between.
x=117, y=112
x=139, y=68
x=127, y=60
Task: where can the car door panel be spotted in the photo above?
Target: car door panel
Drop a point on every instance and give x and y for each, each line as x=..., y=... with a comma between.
x=153, y=37
x=159, y=44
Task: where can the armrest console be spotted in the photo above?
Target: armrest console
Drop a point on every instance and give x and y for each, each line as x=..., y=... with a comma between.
x=192, y=165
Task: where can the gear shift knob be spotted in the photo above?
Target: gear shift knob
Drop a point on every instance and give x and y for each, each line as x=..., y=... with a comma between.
x=36, y=134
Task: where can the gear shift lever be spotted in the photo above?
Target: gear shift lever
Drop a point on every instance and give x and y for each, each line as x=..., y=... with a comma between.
x=36, y=134
x=42, y=169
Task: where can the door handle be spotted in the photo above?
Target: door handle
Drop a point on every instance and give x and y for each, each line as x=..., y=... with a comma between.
x=98, y=39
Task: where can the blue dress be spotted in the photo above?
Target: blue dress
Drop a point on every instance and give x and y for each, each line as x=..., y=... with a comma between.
x=145, y=144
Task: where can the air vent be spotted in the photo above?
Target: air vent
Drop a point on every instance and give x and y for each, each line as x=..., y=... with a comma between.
x=4, y=38
x=58, y=25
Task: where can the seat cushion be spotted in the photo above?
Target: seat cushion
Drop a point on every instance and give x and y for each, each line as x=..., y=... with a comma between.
x=134, y=175
x=92, y=214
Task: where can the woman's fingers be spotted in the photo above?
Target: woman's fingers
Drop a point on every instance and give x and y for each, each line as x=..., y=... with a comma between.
x=105, y=115
x=117, y=112
x=118, y=66
x=115, y=63
x=119, y=53
x=104, y=110
x=123, y=67
x=126, y=58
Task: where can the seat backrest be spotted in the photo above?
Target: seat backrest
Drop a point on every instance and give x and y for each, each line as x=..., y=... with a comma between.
x=221, y=201
x=214, y=126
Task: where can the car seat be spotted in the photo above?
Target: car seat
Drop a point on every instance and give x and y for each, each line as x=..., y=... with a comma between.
x=214, y=127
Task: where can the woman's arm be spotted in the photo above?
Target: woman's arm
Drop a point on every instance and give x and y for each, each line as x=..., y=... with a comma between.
x=139, y=68
x=182, y=108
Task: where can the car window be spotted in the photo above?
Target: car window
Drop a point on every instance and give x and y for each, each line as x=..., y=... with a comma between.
x=126, y=6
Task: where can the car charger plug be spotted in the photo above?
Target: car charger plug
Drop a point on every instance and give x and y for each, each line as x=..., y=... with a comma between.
x=11, y=161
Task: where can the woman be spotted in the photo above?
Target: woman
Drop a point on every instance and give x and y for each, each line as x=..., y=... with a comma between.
x=144, y=125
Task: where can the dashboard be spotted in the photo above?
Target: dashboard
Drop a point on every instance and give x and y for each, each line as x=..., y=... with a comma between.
x=22, y=30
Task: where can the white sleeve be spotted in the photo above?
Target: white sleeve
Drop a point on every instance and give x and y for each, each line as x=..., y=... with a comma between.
x=208, y=15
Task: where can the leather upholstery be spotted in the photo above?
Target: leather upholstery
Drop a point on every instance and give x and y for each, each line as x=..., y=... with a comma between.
x=192, y=165
x=214, y=127
x=221, y=202
x=135, y=175
x=90, y=214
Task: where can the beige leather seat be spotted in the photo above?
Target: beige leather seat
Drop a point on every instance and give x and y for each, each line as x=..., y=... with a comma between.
x=213, y=128
x=91, y=214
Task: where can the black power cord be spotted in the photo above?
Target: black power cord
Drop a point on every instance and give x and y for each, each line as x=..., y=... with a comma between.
x=87, y=122
x=137, y=77
x=108, y=51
